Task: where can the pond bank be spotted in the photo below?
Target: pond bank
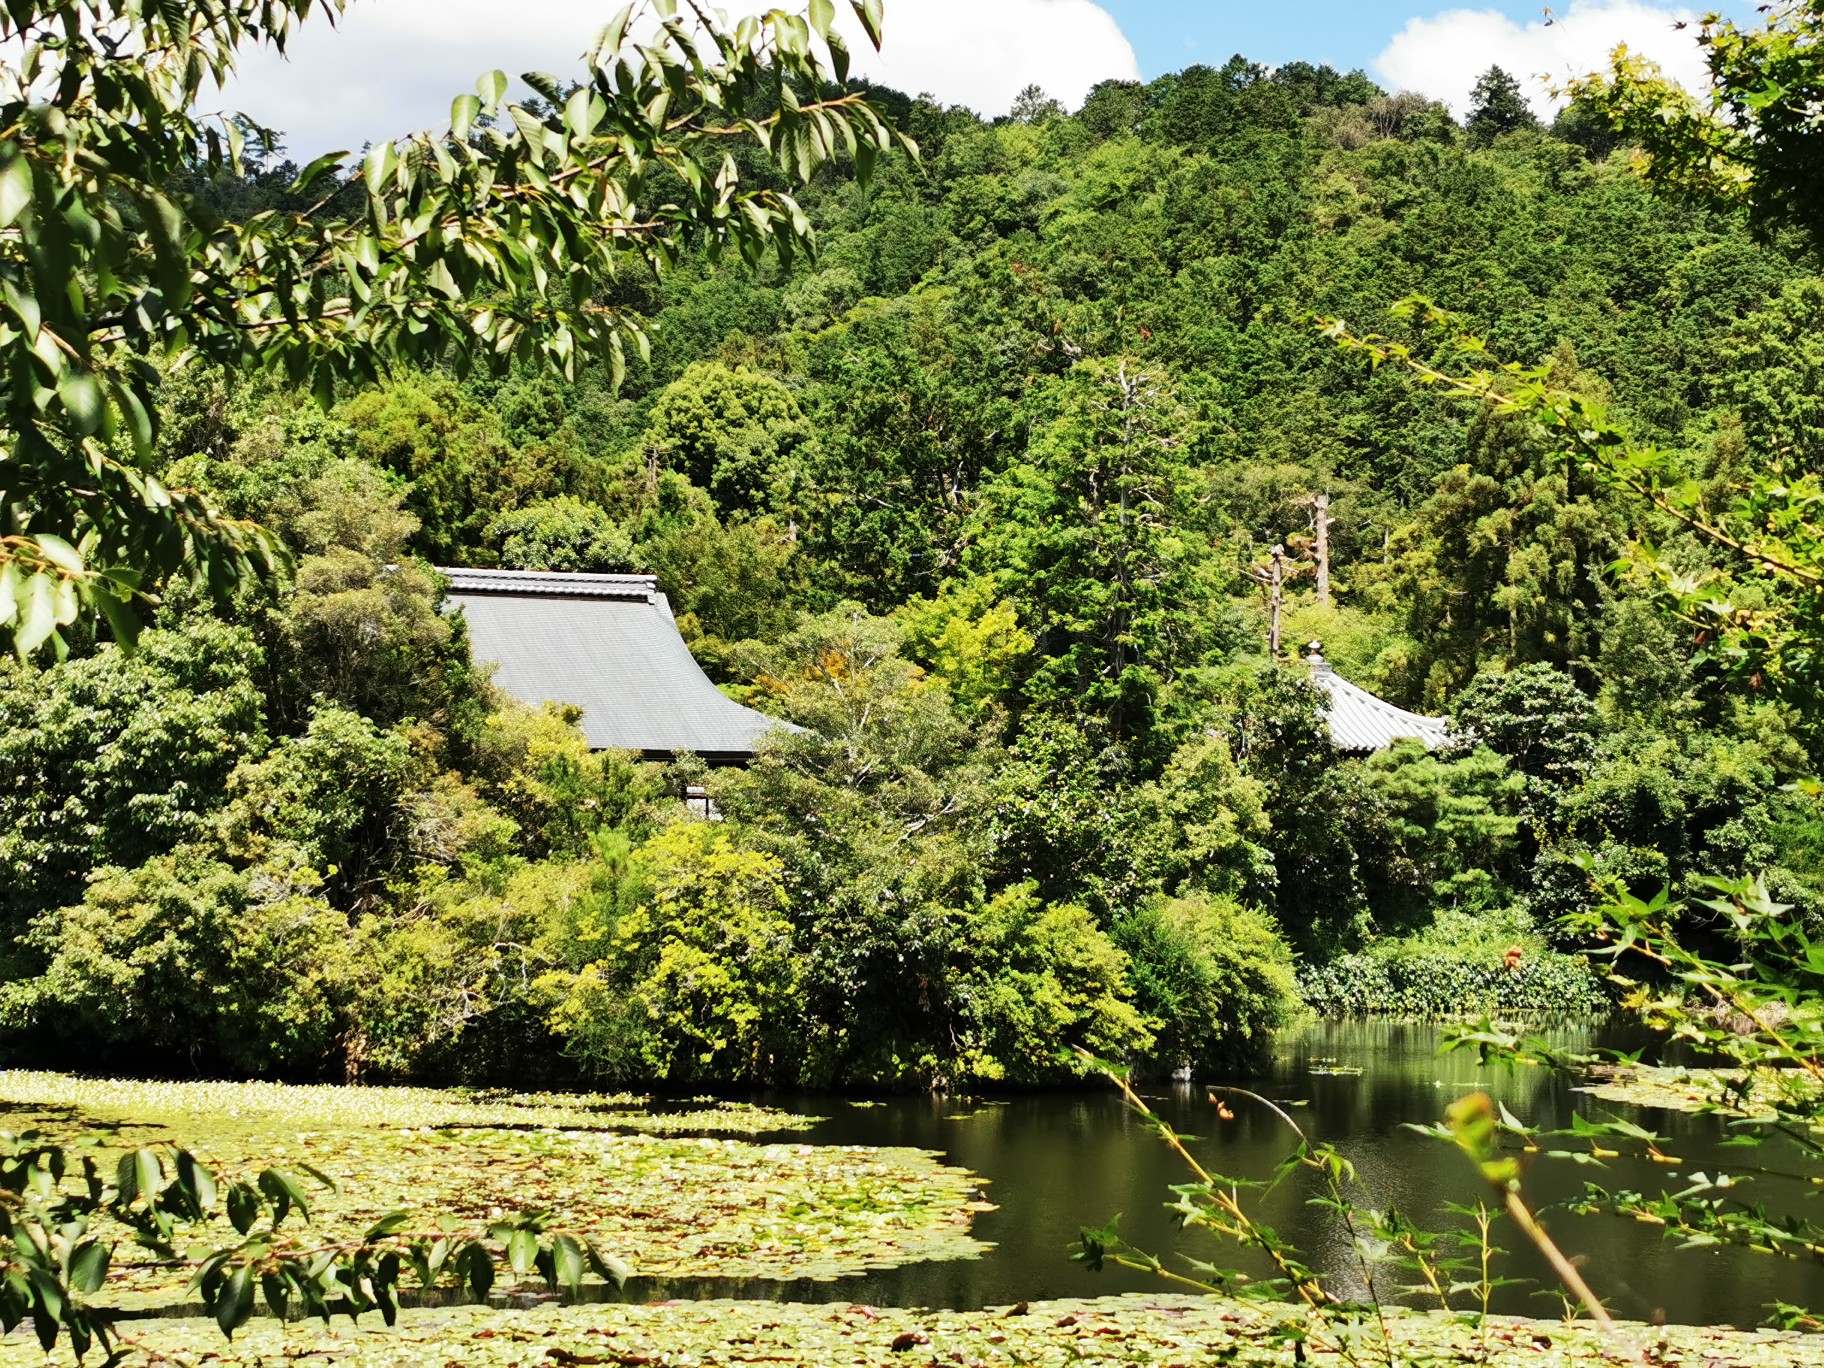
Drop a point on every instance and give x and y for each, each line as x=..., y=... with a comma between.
x=1107, y=1331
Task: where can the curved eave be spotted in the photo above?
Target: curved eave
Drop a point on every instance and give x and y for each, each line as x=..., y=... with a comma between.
x=1359, y=721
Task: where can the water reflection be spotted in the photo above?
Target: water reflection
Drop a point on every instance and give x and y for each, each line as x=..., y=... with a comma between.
x=1057, y=1162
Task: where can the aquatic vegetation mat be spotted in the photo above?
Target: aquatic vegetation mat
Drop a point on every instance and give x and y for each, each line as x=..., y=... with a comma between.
x=668, y=1205
x=325, y=1107
x=729, y=1334
x=1697, y=1090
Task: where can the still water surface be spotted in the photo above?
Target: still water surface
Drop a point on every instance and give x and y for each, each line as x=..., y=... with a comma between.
x=1057, y=1162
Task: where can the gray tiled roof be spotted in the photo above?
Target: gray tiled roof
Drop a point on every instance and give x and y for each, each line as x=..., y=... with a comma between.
x=1361, y=722
x=608, y=644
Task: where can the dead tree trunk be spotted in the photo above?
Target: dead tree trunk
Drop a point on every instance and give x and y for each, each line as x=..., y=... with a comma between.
x=1277, y=599
x=1273, y=577
x=1320, y=526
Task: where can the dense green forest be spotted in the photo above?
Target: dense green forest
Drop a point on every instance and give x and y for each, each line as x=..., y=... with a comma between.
x=976, y=496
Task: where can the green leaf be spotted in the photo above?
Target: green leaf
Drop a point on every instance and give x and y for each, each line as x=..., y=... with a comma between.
x=310, y=175
x=475, y=1266
x=49, y=1305
x=609, y=1268
x=9, y=591
x=316, y=1173
x=89, y=1265
x=869, y=12
x=276, y=1292
x=281, y=1190
x=243, y=1207
x=492, y=88
x=196, y=1178
x=59, y=553
x=522, y=1251
x=463, y=111
x=234, y=1303
x=24, y=306
x=569, y=1262
x=579, y=112
x=389, y=1224
x=382, y=161
x=149, y=1173
x=822, y=14
x=84, y=400
x=15, y=188
x=126, y=1176
x=608, y=42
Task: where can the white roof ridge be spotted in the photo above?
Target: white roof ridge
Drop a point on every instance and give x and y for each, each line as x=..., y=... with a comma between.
x=555, y=583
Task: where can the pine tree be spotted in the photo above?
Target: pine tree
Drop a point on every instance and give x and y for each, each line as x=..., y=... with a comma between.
x=1497, y=106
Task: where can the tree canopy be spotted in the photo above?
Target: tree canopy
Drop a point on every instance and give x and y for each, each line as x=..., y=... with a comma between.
x=982, y=497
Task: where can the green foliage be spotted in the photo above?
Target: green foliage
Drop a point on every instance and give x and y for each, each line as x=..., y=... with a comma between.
x=247, y=968
x=443, y=988
x=336, y=794
x=462, y=472
x=973, y=644
x=64, y=1220
x=977, y=501
x=1536, y=718
x=1443, y=834
x=1205, y=824
x=1214, y=976
x=1747, y=138
x=537, y=769
x=115, y=758
x=1086, y=531
x=693, y=975
x=563, y=534
x=734, y=433
x=869, y=809
x=1501, y=564
x=1662, y=810
x=1496, y=106
x=1047, y=979
x=1733, y=974
x=1423, y=983
x=728, y=580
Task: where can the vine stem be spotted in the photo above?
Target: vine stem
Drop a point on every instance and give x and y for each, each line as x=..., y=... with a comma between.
x=1567, y=1271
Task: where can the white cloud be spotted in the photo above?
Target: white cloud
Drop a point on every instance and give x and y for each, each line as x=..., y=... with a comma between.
x=982, y=53
x=391, y=66
x=1442, y=56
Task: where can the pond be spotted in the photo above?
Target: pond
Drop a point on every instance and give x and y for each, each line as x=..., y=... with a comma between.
x=1057, y=1162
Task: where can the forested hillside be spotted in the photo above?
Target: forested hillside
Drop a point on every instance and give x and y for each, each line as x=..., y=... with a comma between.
x=977, y=496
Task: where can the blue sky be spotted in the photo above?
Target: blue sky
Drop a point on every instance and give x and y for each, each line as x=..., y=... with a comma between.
x=1169, y=34
x=1436, y=47
x=392, y=66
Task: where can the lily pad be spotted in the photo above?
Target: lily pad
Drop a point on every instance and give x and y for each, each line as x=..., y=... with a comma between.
x=1698, y=1090
x=326, y=1108
x=1107, y=1331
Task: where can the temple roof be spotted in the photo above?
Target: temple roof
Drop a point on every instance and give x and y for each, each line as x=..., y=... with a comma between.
x=609, y=645
x=1361, y=722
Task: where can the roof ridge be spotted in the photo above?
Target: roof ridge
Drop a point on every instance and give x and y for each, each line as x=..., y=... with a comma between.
x=550, y=583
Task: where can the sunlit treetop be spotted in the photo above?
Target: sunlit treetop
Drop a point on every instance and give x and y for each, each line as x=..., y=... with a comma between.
x=1753, y=138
